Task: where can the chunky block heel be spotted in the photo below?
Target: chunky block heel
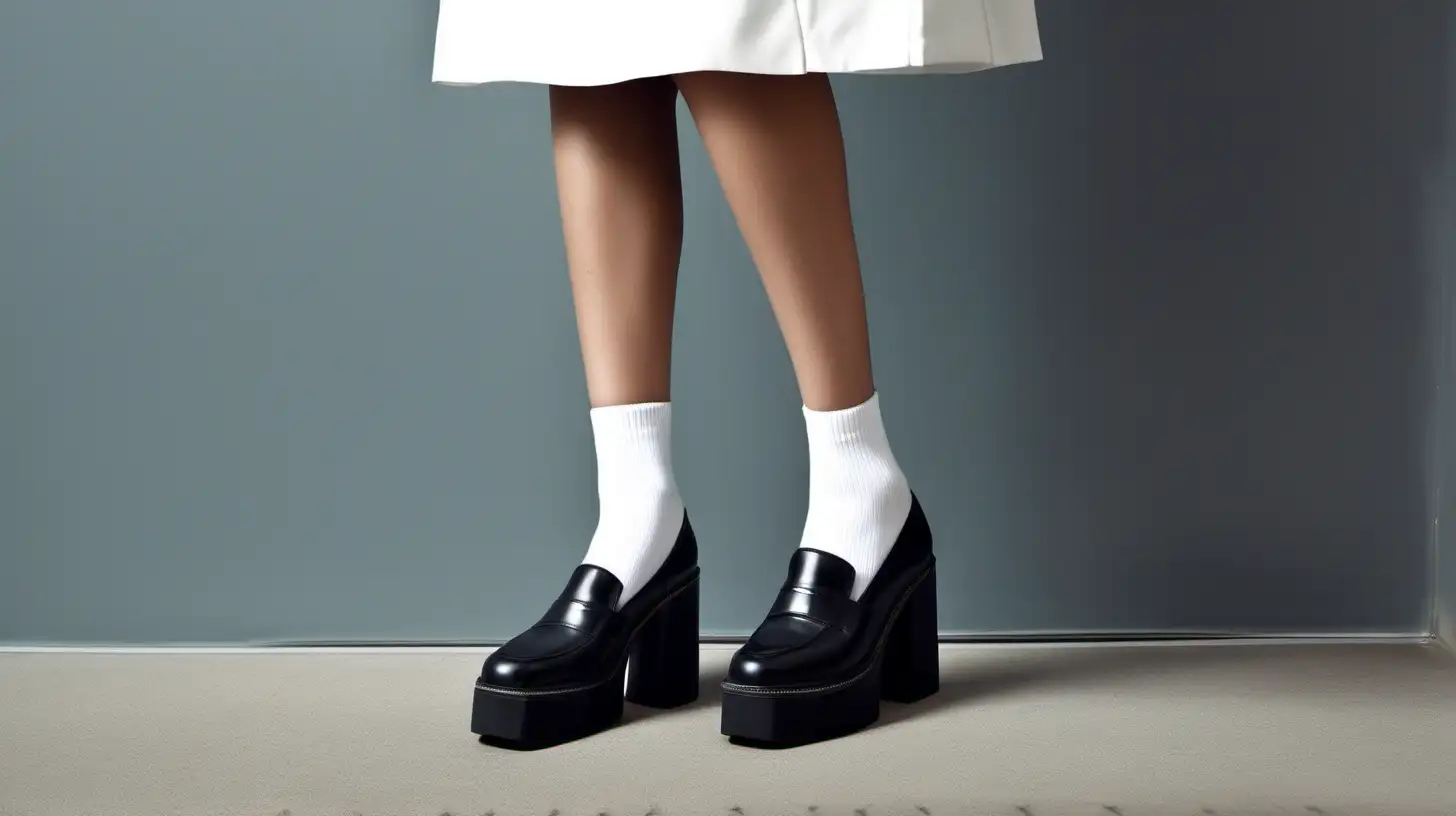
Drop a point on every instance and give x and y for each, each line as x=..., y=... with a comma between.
x=910, y=665
x=564, y=678
x=662, y=669
x=820, y=663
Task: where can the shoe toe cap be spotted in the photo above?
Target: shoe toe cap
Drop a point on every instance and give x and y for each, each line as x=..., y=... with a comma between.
x=505, y=672
x=749, y=670
x=788, y=653
x=543, y=656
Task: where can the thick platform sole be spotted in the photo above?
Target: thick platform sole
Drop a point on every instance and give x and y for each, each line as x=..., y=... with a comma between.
x=659, y=670
x=905, y=669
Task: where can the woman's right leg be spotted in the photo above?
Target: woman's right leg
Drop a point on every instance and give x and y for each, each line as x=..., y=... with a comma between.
x=620, y=189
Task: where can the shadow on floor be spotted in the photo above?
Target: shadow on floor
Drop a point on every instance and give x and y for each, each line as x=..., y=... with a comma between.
x=1374, y=670
x=973, y=676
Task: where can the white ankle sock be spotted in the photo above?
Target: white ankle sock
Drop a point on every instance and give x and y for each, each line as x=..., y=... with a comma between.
x=858, y=498
x=640, y=510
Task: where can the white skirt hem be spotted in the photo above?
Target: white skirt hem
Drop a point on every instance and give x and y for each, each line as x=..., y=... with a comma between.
x=587, y=42
x=598, y=78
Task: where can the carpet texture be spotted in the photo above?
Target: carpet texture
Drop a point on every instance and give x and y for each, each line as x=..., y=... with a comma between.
x=1314, y=730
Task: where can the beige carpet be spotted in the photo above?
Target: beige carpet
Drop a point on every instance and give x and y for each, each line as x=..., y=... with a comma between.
x=1306, y=730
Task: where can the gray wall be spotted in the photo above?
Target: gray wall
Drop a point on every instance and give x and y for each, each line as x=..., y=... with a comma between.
x=287, y=351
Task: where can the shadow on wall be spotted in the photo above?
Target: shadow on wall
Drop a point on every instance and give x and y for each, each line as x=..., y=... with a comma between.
x=1223, y=302
x=1442, y=226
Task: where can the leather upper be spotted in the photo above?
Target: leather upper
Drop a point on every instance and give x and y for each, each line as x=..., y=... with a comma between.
x=582, y=638
x=814, y=634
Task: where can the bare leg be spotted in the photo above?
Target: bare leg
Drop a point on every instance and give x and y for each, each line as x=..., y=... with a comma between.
x=776, y=145
x=775, y=142
x=620, y=187
x=621, y=209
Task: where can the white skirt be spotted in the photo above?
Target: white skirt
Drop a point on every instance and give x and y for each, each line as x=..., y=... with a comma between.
x=600, y=42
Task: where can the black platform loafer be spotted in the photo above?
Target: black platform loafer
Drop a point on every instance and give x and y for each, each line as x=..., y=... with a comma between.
x=819, y=664
x=563, y=678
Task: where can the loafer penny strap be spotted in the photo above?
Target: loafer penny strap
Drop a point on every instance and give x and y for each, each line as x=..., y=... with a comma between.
x=588, y=601
x=829, y=608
